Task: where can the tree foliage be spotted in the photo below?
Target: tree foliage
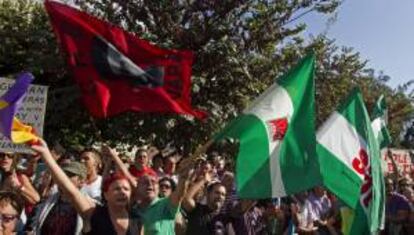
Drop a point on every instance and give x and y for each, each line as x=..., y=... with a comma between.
x=240, y=48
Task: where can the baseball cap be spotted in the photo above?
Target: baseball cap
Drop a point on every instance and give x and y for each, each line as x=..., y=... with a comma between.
x=75, y=168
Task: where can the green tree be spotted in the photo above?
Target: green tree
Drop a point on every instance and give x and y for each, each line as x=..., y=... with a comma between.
x=240, y=47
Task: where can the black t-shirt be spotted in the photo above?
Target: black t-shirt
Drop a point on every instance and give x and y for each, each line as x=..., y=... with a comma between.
x=61, y=220
x=101, y=223
x=202, y=220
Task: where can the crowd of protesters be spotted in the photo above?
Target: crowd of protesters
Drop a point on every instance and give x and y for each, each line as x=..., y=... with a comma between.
x=152, y=192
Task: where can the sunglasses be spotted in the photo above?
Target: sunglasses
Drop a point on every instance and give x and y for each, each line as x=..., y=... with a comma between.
x=165, y=186
x=6, y=155
x=8, y=218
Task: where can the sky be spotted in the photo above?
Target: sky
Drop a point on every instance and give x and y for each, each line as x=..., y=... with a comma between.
x=381, y=30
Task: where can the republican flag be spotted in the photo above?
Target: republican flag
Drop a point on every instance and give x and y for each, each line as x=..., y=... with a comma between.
x=10, y=102
x=350, y=163
x=117, y=71
x=277, y=137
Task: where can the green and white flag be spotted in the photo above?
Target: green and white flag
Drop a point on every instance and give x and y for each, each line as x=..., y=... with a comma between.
x=379, y=124
x=350, y=163
x=277, y=137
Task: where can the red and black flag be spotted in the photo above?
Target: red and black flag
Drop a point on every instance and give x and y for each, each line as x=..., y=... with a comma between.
x=117, y=71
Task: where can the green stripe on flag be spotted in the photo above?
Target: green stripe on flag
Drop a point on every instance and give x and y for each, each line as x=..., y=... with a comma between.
x=302, y=86
x=360, y=223
x=336, y=173
x=253, y=156
x=298, y=148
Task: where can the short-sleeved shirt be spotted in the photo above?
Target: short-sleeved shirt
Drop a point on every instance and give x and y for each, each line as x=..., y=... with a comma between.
x=202, y=220
x=94, y=190
x=158, y=217
x=138, y=173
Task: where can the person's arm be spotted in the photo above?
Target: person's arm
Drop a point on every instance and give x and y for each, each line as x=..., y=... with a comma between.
x=177, y=196
x=106, y=150
x=28, y=191
x=186, y=165
x=107, y=165
x=81, y=203
x=188, y=200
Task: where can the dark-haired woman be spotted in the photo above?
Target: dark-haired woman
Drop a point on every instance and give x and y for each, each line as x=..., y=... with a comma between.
x=12, y=180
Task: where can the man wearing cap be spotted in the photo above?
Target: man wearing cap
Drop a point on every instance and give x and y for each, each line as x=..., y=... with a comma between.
x=56, y=215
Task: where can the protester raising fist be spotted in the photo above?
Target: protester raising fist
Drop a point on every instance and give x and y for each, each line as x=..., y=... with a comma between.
x=111, y=218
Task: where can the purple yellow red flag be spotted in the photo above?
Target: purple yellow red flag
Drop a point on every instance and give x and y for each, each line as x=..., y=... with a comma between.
x=10, y=102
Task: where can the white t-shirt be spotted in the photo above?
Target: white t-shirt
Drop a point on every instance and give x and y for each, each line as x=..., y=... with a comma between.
x=94, y=190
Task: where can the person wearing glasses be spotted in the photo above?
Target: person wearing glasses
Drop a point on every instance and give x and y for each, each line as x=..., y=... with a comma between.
x=167, y=186
x=11, y=206
x=13, y=180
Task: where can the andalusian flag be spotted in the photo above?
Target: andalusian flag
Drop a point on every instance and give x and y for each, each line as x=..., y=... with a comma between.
x=277, y=137
x=350, y=163
x=379, y=123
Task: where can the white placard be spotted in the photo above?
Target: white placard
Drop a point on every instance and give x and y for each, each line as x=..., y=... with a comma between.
x=402, y=160
x=32, y=112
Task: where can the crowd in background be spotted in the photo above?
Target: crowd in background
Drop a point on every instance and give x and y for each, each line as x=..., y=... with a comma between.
x=153, y=192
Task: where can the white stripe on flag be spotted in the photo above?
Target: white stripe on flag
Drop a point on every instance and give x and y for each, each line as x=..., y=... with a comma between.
x=376, y=126
x=341, y=138
x=278, y=188
x=273, y=104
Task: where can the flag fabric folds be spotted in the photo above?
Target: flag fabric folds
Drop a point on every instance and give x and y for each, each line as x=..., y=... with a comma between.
x=10, y=126
x=350, y=163
x=117, y=71
x=277, y=137
x=379, y=123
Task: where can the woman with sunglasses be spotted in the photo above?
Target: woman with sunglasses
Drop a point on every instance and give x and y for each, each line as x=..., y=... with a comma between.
x=13, y=180
x=11, y=206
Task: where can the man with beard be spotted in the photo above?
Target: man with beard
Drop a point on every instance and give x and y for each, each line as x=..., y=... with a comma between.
x=207, y=219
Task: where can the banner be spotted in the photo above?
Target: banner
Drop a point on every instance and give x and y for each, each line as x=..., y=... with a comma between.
x=32, y=112
x=401, y=158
